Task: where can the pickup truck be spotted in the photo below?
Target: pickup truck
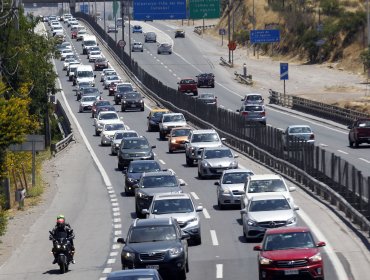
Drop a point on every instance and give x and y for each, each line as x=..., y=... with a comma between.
x=188, y=85
x=359, y=132
x=170, y=121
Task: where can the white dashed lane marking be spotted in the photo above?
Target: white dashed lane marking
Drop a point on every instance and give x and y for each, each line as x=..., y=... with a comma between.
x=219, y=271
x=206, y=214
x=107, y=270
x=194, y=195
x=343, y=152
x=214, y=237
x=161, y=161
x=365, y=160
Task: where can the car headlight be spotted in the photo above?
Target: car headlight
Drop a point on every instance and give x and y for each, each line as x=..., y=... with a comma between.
x=100, y=125
x=251, y=222
x=316, y=258
x=175, y=251
x=128, y=255
x=291, y=221
x=58, y=246
x=264, y=261
x=116, y=145
x=143, y=195
x=225, y=191
x=233, y=164
x=205, y=164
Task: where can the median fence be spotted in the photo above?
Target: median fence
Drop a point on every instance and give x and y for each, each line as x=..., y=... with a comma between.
x=314, y=168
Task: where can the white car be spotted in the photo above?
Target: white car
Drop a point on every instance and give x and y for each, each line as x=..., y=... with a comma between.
x=103, y=118
x=109, y=130
x=80, y=34
x=257, y=185
x=94, y=55
x=64, y=53
x=69, y=61
x=86, y=103
x=105, y=71
x=111, y=79
x=137, y=47
x=117, y=138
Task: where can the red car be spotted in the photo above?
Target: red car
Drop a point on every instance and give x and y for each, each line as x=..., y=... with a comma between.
x=74, y=33
x=359, y=132
x=290, y=252
x=188, y=85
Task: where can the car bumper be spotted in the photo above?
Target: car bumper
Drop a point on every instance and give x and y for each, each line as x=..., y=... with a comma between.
x=214, y=172
x=176, y=146
x=229, y=199
x=300, y=273
x=133, y=106
x=126, y=161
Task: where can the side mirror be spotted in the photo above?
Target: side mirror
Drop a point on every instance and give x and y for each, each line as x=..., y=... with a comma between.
x=291, y=189
x=182, y=182
x=185, y=236
x=236, y=156
x=94, y=75
x=121, y=240
x=237, y=110
x=243, y=211
x=199, y=209
x=295, y=208
x=186, y=141
x=223, y=139
x=321, y=244
x=257, y=248
x=124, y=171
x=217, y=183
x=154, y=146
x=349, y=127
x=145, y=211
x=121, y=118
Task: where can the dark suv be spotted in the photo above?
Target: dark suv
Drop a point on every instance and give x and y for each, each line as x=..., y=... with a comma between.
x=134, y=148
x=132, y=100
x=121, y=89
x=206, y=80
x=152, y=183
x=156, y=243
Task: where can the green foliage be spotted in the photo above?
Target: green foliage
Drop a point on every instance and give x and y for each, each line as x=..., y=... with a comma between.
x=241, y=36
x=330, y=7
x=3, y=221
x=308, y=41
x=365, y=58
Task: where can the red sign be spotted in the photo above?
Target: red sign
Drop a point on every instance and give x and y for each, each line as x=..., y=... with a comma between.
x=121, y=43
x=232, y=45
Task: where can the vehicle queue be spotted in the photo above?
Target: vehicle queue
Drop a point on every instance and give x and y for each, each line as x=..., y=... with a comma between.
x=267, y=208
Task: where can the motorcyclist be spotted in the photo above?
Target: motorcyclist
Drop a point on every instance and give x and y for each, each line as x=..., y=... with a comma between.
x=62, y=226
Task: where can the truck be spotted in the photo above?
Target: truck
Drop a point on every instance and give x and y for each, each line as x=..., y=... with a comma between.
x=359, y=132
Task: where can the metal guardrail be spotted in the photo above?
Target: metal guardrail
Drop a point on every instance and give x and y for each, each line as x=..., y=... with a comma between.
x=313, y=170
x=199, y=29
x=224, y=62
x=319, y=109
x=243, y=79
x=56, y=148
x=65, y=127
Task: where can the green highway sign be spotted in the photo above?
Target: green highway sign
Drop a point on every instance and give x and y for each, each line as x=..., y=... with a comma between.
x=200, y=9
x=115, y=8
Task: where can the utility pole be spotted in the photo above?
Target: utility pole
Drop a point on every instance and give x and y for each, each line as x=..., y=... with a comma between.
x=254, y=28
x=104, y=16
x=368, y=23
x=228, y=27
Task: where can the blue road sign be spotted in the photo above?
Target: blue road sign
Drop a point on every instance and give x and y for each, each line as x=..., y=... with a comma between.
x=222, y=31
x=284, y=67
x=84, y=8
x=265, y=36
x=164, y=9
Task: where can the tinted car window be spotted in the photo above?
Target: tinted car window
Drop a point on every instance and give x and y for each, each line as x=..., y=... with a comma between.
x=135, y=144
x=172, y=206
x=121, y=135
x=217, y=154
x=140, y=167
x=235, y=178
x=206, y=137
x=116, y=126
x=180, y=132
x=288, y=241
x=153, y=233
x=253, y=108
x=269, y=205
x=159, y=181
x=266, y=186
x=108, y=116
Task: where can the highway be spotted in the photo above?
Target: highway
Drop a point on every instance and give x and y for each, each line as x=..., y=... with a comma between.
x=91, y=195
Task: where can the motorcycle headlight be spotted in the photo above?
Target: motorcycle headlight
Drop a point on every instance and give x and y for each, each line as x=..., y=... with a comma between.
x=116, y=145
x=100, y=125
x=291, y=221
x=175, y=251
x=58, y=246
x=251, y=222
x=128, y=255
x=264, y=261
x=316, y=258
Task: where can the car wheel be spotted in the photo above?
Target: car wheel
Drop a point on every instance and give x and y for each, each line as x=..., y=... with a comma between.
x=170, y=150
x=197, y=241
x=123, y=109
x=212, y=86
x=350, y=143
x=182, y=274
x=169, y=52
x=189, y=162
x=161, y=136
x=357, y=144
x=120, y=167
x=138, y=212
x=187, y=266
x=195, y=93
x=158, y=52
x=150, y=128
x=116, y=102
x=97, y=133
x=200, y=176
x=220, y=205
x=142, y=50
x=142, y=109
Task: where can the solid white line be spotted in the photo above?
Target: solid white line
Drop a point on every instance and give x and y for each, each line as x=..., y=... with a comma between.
x=161, y=161
x=107, y=270
x=214, y=237
x=365, y=160
x=103, y=278
x=343, y=152
x=219, y=271
x=194, y=195
x=206, y=214
x=333, y=258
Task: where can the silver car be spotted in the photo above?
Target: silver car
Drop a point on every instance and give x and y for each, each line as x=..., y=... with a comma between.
x=296, y=134
x=107, y=72
x=117, y=138
x=230, y=187
x=179, y=206
x=267, y=211
x=164, y=48
x=109, y=130
x=86, y=103
x=253, y=114
x=137, y=47
x=213, y=161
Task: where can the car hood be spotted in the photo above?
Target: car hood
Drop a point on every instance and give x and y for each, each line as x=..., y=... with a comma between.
x=290, y=254
x=131, y=99
x=220, y=162
x=174, y=123
x=135, y=176
x=265, y=216
x=234, y=187
x=152, y=191
x=206, y=144
x=146, y=247
x=87, y=103
x=180, y=217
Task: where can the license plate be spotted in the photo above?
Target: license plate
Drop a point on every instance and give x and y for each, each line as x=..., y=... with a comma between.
x=133, y=105
x=153, y=266
x=291, y=272
x=219, y=170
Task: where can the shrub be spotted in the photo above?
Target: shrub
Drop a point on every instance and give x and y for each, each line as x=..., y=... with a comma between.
x=330, y=7
x=3, y=221
x=242, y=36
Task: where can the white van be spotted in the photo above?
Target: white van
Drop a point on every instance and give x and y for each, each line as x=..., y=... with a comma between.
x=85, y=73
x=88, y=41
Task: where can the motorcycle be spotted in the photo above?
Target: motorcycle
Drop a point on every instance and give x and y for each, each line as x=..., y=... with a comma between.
x=62, y=249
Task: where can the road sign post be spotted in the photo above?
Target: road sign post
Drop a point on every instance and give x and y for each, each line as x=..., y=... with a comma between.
x=222, y=32
x=284, y=75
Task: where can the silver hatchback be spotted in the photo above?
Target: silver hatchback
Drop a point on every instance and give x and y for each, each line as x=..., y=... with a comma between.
x=253, y=114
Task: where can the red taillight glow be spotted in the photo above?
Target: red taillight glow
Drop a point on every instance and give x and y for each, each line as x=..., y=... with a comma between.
x=262, y=113
x=312, y=137
x=244, y=113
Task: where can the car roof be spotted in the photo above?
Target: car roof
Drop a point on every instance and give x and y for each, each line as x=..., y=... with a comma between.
x=165, y=196
x=133, y=272
x=153, y=222
x=268, y=197
x=265, y=177
x=228, y=171
x=298, y=125
x=204, y=131
x=287, y=230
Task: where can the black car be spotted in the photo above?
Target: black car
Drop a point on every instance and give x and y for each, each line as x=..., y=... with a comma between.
x=206, y=80
x=208, y=98
x=155, y=182
x=134, y=171
x=91, y=91
x=180, y=33
x=134, y=148
x=121, y=89
x=132, y=101
x=154, y=118
x=132, y=274
x=156, y=243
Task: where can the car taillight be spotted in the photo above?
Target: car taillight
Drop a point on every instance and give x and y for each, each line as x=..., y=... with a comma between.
x=312, y=137
x=244, y=113
x=262, y=113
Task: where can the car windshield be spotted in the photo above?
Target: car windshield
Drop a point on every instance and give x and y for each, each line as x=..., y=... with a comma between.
x=180, y=132
x=88, y=98
x=187, y=81
x=269, y=205
x=174, y=118
x=140, y=167
x=218, y=154
x=159, y=181
x=364, y=123
x=172, y=206
x=121, y=135
x=157, y=115
x=91, y=90
x=103, y=103
x=235, y=178
x=152, y=234
x=95, y=53
x=300, y=129
x=85, y=74
x=131, y=96
x=259, y=186
x=205, y=137
x=291, y=240
x=122, y=89
x=253, y=97
x=112, y=77
x=135, y=144
x=108, y=116
x=114, y=126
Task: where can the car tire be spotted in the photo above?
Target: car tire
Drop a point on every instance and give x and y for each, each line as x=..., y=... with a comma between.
x=200, y=176
x=170, y=151
x=170, y=53
x=357, y=144
x=220, y=205
x=350, y=143
x=97, y=133
x=189, y=162
x=123, y=109
x=182, y=274
x=161, y=135
x=138, y=213
x=120, y=167
x=158, y=52
x=197, y=241
x=142, y=50
x=150, y=128
x=187, y=266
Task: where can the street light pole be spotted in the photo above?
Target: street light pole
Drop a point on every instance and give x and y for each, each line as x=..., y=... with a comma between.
x=254, y=28
x=228, y=28
x=368, y=23
x=104, y=16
